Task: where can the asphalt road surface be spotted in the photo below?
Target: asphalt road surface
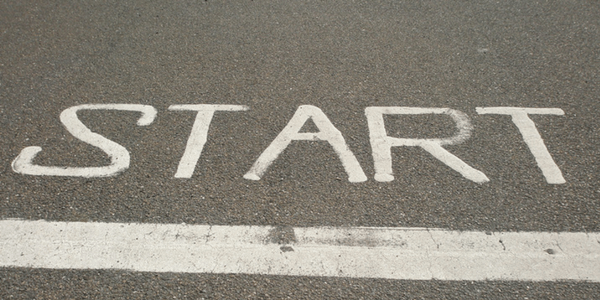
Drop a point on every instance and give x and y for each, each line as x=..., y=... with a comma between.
x=318, y=66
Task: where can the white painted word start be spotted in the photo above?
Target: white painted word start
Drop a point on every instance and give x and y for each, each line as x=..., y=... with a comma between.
x=381, y=143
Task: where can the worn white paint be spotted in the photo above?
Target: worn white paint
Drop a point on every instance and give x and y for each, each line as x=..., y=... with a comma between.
x=381, y=143
x=199, y=133
x=119, y=156
x=531, y=136
x=391, y=253
x=291, y=132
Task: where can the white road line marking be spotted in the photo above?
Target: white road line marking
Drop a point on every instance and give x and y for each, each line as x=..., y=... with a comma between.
x=393, y=253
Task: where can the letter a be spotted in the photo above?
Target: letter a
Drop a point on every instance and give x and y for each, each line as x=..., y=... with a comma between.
x=327, y=132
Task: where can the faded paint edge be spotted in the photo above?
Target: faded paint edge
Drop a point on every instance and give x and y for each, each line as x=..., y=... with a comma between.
x=360, y=252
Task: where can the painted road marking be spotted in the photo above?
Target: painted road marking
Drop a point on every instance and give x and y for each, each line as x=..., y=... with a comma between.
x=291, y=132
x=199, y=134
x=531, y=136
x=392, y=253
x=119, y=156
x=381, y=143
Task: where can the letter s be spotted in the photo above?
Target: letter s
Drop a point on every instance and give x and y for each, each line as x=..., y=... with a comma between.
x=119, y=156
